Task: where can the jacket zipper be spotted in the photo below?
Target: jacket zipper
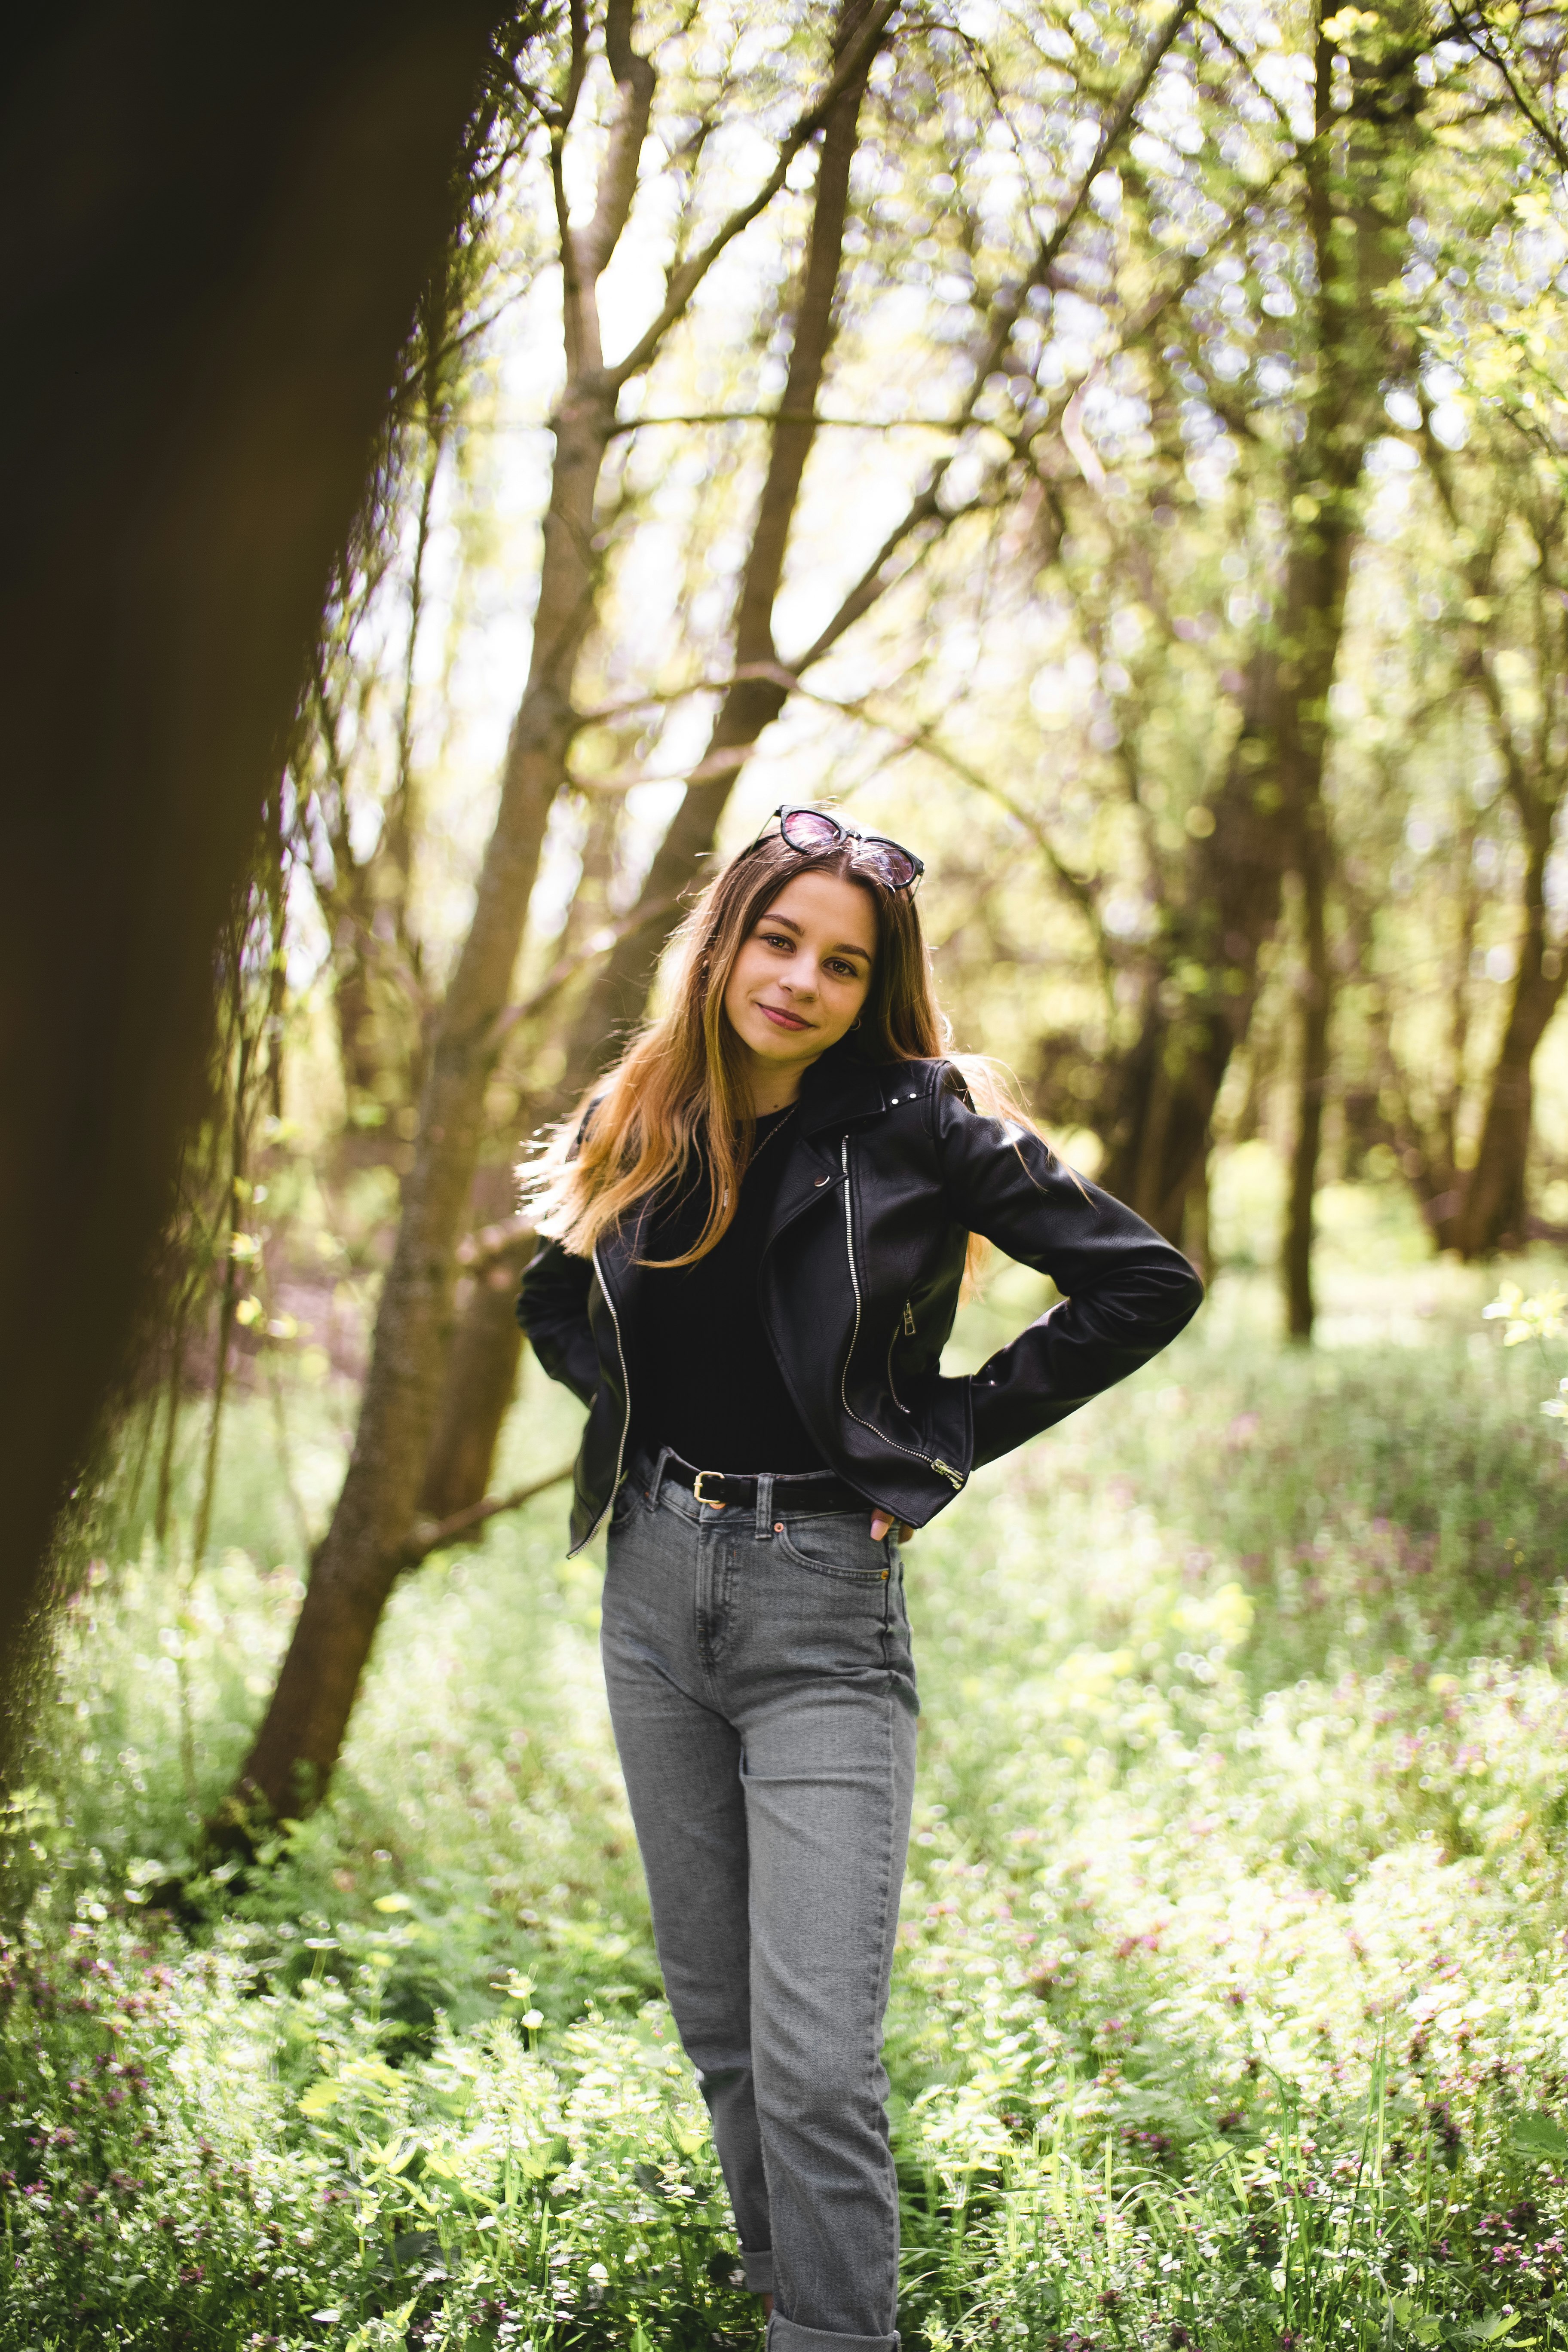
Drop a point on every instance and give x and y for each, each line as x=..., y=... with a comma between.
x=932, y=1461
x=627, y=1391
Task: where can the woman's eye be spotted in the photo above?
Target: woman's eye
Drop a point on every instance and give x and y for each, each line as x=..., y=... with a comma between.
x=777, y=939
x=842, y=971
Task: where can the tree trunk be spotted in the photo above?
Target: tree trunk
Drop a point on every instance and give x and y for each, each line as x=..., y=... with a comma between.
x=481, y=1373
x=1488, y=1209
x=1318, y=571
x=1492, y=1215
x=1197, y=1243
x=1312, y=1082
x=265, y=194
x=1161, y=1112
x=1355, y=219
x=299, y=1738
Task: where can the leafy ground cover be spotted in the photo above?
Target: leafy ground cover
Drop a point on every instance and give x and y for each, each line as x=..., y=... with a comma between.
x=1232, y=1997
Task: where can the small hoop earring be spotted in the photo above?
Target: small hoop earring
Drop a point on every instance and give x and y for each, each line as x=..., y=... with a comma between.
x=856, y=1022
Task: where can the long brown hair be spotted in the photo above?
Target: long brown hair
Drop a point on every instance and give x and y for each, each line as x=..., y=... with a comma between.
x=679, y=1093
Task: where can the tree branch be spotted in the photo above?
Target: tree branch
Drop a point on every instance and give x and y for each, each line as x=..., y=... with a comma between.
x=685, y=280
x=635, y=82
x=433, y=1535
x=792, y=416
x=1005, y=312
x=567, y=968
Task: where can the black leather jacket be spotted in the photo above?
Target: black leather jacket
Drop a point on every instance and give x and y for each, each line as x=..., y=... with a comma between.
x=890, y=1171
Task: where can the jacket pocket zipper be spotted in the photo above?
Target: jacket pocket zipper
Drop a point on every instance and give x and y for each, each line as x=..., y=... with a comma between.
x=933, y=1460
x=908, y=1328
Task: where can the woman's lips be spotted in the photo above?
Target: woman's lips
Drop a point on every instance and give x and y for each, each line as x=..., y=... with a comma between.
x=783, y=1020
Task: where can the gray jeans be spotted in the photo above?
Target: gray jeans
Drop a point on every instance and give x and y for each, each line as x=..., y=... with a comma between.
x=764, y=1699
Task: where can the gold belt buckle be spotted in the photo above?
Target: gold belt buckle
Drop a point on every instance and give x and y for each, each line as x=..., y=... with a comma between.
x=712, y=1502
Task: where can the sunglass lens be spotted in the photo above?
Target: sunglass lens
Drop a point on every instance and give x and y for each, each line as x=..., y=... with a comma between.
x=808, y=829
x=891, y=866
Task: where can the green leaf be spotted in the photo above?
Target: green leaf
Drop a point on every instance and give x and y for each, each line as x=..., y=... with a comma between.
x=1537, y=2137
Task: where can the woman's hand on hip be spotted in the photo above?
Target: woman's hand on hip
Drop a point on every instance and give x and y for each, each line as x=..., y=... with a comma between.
x=882, y=1520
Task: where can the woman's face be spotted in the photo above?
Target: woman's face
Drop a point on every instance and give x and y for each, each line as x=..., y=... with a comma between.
x=801, y=978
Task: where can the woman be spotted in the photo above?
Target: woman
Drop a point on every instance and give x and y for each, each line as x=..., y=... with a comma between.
x=758, y=1230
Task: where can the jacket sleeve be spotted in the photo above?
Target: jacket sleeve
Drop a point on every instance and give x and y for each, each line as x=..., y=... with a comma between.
x=1125, y=1292
x=552, y=1308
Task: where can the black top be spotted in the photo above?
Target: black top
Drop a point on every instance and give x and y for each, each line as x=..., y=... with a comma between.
x=704, y=1379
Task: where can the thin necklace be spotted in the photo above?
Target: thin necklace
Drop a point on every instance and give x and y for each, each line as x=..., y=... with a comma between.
x=783, y=1123
x=762, y=1146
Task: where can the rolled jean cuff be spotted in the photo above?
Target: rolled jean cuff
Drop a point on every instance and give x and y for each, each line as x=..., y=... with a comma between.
x=759, y=2269
x=785, y=2335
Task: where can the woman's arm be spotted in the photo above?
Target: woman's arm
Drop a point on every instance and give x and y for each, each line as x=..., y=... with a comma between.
x=1125, y=1292
x=552, y=1308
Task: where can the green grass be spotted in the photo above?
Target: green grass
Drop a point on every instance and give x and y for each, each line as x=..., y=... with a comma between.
x=1231, y=2006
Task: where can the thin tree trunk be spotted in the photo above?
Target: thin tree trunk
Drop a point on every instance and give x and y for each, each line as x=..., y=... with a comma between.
x=229, y=1297
x=1312, y=1084
x=298, y=1742
x=1489, y=1204
x=1355, y=221
x=1493, y=1212
x=163, y=1504
x=1318, y=571
x=1196, y=1242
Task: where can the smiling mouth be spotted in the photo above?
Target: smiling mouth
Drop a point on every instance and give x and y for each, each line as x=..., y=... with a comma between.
x=783, y=1020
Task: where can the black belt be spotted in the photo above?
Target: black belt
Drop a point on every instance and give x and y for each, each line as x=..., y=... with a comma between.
x=811, y=1490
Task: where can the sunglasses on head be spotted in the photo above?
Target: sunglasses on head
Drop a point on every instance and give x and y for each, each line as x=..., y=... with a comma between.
x=810, y=830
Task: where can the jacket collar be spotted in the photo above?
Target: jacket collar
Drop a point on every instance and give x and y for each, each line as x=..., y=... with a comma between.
x=841, y=1086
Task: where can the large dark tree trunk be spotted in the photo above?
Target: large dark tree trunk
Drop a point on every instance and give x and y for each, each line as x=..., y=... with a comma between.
x=216, y=226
